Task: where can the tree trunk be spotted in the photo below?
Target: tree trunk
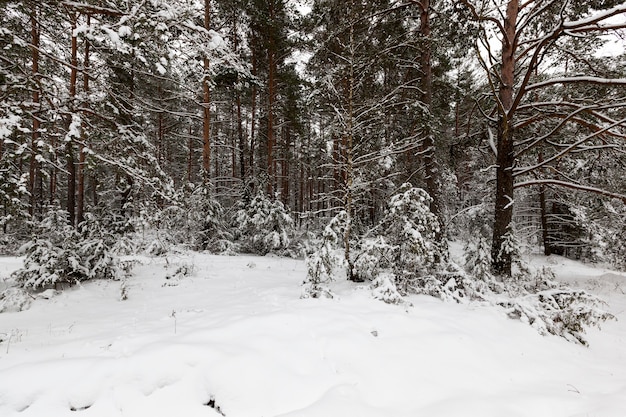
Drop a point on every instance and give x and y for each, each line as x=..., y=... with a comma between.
x=32, y=168
x=253, y=117
x=544, y=215
x=241, y=144
x=431, y=166
x=69, y=145
x=80, y=202
x=285, y=166
x=505, y=158
x=270, y=120
x=349, y=162
x=233, y=145
x=547, y=250
x=206, y=103
x=190, y=156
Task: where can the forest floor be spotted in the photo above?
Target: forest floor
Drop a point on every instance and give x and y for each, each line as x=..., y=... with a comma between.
x=234, y=339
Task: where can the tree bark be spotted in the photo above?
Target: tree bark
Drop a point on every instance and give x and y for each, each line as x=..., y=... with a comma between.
x=431, y=166
x=349, y=161
x=32, y=168
x=80, y=203
x=69, y=144
x=190, y=156
x=253, y=117
x=271, y=88
x=544, y=215
x=285, y=166
x=505, y=158
x=206, y=103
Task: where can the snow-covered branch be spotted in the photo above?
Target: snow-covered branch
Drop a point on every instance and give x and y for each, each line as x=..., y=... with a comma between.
x=592, y=21
x=571, y=185
x=581, y=79
x=569, y=148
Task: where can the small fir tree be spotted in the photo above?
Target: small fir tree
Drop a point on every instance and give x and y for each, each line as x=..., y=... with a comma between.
x=263, y=226
x=58, y=254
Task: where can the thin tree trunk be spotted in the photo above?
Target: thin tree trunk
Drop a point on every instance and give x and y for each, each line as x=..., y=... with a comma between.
x=504, y=170
x=69, y=144
x=216, y=157
x=241, y=144
x=285, y=167
x=190, y=156
x=349, y=163
x=253, y=117
x=80, y=203
x=547, y=250
x=32, y=168
x=271, y=54
x=233, y=147
x=206, y=111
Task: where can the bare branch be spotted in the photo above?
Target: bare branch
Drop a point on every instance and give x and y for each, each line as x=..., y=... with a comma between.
x=92, y=9
x=482, y=18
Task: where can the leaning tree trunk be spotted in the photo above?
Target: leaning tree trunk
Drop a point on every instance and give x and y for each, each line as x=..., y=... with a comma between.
x=505, y=158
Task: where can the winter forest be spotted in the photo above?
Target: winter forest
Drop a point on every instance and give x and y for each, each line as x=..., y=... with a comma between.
x=410, y=147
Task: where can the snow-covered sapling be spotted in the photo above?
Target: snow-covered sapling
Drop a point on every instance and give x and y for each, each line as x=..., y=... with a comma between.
x=321, y=264
x=58, y=254
x=264, y=226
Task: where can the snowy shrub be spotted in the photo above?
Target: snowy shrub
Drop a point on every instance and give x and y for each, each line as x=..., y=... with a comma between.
x=15, y=299
x=540, y=301
x=409, y=224
x=59, y=254
x=512, y=246
x=212, y=234
x=319, y=273
x=193, y=219
x=263, y=226
x=172, y=228
x=606, y=233
x=111, y=227
x=183, y=270
x=405, y=244
x=322, y=262
x=206, y=222
x=537, y=300
x=384, y=289
x=158, y=247
x=478, y=266
x=559, y=311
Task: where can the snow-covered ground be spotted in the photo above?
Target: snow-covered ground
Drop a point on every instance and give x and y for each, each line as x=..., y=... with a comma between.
x=235, y=339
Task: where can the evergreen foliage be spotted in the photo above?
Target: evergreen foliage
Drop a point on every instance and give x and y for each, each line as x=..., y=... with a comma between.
x=405, y=243
x=59, y=255
x=159, y=115
x=322, y=263
x=263, y=226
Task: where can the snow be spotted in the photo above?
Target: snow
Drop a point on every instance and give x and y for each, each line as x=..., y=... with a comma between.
x=74, y=129
x=7, y=124
x=235, y=339
x=124, y=31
